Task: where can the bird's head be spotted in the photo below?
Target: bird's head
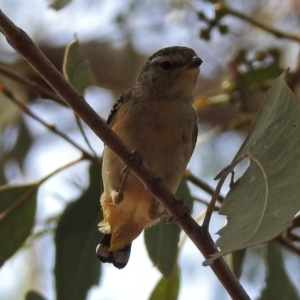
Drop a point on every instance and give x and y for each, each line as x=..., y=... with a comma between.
x=171, y=71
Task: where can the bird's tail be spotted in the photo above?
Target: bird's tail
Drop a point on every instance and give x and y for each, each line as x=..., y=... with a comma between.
x=119, y=258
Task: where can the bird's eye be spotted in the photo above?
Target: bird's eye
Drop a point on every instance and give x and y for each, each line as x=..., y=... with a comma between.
x=166, y=66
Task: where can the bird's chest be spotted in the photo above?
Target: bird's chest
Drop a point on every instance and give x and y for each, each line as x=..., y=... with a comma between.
x=158, y=125
x=160, y=132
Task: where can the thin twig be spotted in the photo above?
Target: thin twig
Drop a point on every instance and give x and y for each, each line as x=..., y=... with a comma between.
x=288, y=244
x=51, y=127
x=293, y=237
x=18, y=202
x=79, y=124
x=212, y=203
x=201, y=184
x=222, y=176
x=226, y=10
x=21, y=42
x=42, y=90
x=216, y=208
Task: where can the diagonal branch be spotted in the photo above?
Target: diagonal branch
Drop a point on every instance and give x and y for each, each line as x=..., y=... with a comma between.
x=50, y=127
x=226, y=10
x=44, y=91
x=201, y=184
x=21, y=42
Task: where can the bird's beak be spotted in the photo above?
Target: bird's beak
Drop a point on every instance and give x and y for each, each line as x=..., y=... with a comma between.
x=190, y=71
x=195, y=62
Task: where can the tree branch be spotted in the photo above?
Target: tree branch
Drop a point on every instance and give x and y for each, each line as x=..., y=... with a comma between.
x=51, y=127
x=201, y=184
x=44, y=91
x=283, y=240
x=21, y=42
x=23, y=198
x=226, y=10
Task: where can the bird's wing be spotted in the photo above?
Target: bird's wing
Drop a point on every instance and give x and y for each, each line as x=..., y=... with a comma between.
x=195, y=135
x=122, y=98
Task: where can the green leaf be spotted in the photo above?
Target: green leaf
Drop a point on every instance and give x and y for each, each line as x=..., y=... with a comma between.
x=18, y=151
x=265, y=199
x=58, y=4
x=77, y=69
x=278, y=284
x=33, y=295
x=162, y=239
x=183, y=193
x=235, y=261
x=162, y=246
x=17, y=225
x=167, y=288
x=258, y=76
x=77, y=268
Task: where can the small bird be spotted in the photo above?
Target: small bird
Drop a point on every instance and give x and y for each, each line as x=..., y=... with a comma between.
x=156, y=118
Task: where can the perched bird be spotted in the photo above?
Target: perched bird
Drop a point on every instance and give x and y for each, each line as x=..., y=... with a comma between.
x=156, y=118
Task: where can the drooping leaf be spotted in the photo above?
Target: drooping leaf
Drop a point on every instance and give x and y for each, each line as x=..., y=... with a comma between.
x=265, y=199
x=18, y=150
x=278, y=284
x=162, y=239
x=17, y=225
x=235, y=261
x=58, y=4
x=77, y=268
x=77, y=69
x=162, y=246
x=183, y=193
x=258, y=75
x=33, y=295
x=167, y=288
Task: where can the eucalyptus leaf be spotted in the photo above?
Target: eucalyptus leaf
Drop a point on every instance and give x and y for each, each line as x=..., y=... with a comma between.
x=77, y=69
x=167, y=288
x=16, y=226
x=33, y=295
x=58, y=4
x=235, y=261
x=162, y=239
x=77, y=268
x=259, y=75
x=265, y=199
x=278, y=284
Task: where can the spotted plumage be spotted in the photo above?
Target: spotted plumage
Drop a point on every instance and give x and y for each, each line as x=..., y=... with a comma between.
x=155, y=117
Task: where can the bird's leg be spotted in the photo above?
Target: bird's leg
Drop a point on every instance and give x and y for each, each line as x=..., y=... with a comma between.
x=156, y=210
x=159, y=215
x=133, y=156
x=185, y=210
x=120, y=196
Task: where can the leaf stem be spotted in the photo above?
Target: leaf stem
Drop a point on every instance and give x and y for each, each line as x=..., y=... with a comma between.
x=212, y=203
x=221, y=176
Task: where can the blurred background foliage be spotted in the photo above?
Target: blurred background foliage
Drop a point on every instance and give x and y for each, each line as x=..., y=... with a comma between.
x=244, y=45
